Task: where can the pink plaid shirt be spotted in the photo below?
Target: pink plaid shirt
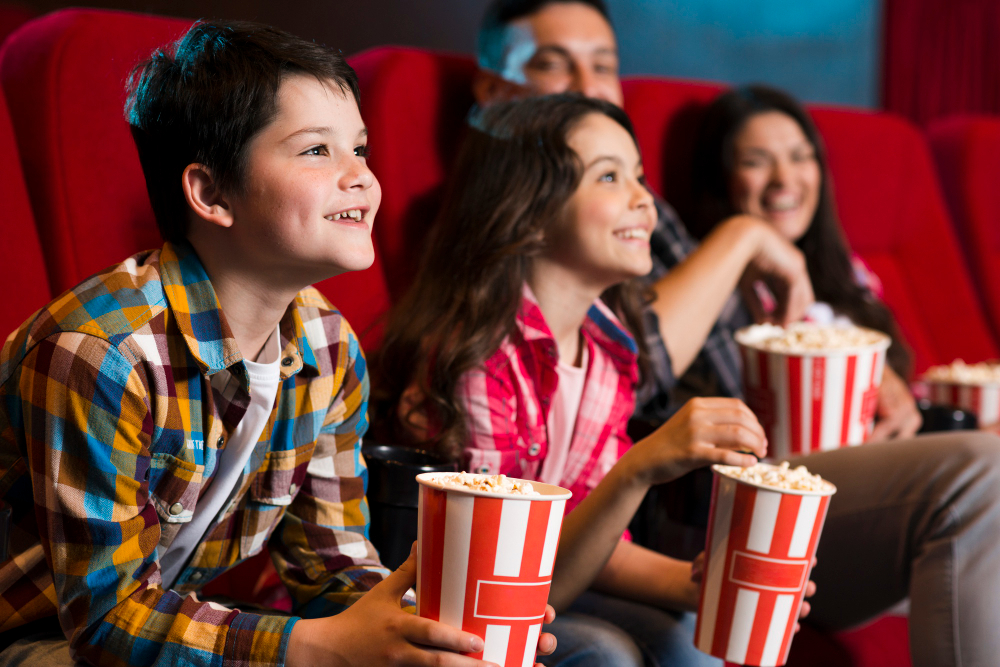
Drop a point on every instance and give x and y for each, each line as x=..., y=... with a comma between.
x=508, y=399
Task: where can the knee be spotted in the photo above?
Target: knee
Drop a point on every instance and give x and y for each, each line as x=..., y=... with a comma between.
x=978, y=453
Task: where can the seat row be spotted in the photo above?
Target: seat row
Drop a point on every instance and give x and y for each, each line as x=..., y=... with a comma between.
x=74, y=200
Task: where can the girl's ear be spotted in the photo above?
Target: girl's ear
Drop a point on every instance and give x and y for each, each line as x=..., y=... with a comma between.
x=204, y=196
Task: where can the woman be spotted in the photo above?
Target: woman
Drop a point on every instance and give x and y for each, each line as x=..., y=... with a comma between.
x=504, y=356
x=759, y=153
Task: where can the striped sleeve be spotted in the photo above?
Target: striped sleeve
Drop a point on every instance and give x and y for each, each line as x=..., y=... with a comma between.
x=88, y=428
x=322, y=553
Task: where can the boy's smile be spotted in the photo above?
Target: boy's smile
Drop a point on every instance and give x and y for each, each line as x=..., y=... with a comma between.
x=309, y=199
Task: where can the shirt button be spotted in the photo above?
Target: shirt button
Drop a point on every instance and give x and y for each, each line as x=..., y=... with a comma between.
x=195, y=577
x=293, y=489
x=176, y=509
x=220, y=442
x=534, y=449
x=287, y=361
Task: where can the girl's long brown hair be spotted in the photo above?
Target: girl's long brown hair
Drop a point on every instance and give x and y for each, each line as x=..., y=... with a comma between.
x=827, y=256
x=510, y=183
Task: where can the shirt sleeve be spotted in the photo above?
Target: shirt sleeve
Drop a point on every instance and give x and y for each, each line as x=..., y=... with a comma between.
x=321, y=548
x=88, y=428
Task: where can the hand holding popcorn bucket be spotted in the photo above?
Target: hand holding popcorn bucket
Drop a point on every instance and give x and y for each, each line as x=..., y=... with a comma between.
x=485, y=558
x=760, y=545
x=812, y=387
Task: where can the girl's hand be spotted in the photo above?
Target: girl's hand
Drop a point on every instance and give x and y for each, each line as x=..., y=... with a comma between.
x=897, y=413
x=703, y=432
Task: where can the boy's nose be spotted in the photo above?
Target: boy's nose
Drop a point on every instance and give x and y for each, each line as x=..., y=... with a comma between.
x=357, y=176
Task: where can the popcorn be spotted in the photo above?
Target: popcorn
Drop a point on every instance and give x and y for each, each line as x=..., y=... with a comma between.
x=958, y=372
x=806, y=337
x=488, y=483
x=778, y=477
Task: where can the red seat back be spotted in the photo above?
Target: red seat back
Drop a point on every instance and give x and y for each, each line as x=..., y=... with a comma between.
x=967, y=151
x=13, y=16
x=887, y=196
x=415, y=104
x=65, y=76
x=22, y=270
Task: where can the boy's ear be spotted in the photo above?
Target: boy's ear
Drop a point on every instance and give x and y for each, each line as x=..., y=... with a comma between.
x=489, y=87
x=204, y=196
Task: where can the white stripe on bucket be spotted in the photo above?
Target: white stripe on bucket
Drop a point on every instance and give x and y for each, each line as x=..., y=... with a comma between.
x=496, y=640
x=457, y=537
x=805, y=408
x=804, y=524
x=778, y=376
x=776, y=630
x=529, y=645
x=862, y=379
x=833, y=402
x=765, y=515
x=510, y=538
x=716, y=562
x=744, y=613
x=556, y=508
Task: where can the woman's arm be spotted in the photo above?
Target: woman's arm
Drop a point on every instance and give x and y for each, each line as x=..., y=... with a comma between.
x=690, y=297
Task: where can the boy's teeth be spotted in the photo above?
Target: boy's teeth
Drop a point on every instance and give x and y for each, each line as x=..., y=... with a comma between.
x=354, y=214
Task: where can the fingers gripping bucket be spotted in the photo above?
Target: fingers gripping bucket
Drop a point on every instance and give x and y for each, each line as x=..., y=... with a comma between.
x=484, y=563
x=759, y=549
x=812, y=400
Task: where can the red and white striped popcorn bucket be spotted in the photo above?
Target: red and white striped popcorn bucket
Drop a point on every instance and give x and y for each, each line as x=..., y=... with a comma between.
x=981, y=399
x=758, y=556
x=484, y=563
x=814, y=400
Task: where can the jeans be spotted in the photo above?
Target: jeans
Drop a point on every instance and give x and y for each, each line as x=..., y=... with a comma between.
x=602, y=630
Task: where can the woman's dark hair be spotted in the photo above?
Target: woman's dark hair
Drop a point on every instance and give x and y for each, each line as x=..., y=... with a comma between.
x=203, y=99
x=514, y=174
x=826, y=251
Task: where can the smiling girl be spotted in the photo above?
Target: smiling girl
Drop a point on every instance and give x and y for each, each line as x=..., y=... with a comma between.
x=505, y=356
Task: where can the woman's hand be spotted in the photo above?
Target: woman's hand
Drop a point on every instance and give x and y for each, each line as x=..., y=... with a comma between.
x=703, y=432
x=896, y=415
x=782, y=267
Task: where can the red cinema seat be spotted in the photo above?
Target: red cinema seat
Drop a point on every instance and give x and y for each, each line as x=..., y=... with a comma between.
x=64, y=75
x=889, y=202
x=967, y=152
x=12, y=16
x=415, y=104
x=23, y=279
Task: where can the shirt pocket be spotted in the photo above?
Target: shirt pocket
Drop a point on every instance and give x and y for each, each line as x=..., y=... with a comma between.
x=275, y=486
x=493, y=462
x=174, y=487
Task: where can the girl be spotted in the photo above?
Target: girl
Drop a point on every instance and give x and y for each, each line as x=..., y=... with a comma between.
x=504, y=355
x=759, y=153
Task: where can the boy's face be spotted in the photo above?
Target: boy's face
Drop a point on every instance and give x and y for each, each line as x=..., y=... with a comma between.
x=309, y=199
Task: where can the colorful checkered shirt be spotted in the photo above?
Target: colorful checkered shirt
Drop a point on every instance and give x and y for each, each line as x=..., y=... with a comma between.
x=115, y=401
x=507, y=400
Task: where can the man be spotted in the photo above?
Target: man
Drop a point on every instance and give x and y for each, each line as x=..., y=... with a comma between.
x=910, y=517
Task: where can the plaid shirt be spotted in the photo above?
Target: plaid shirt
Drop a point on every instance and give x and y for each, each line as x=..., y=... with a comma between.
x=508, y=399
x=717, y=370
x=115, y=402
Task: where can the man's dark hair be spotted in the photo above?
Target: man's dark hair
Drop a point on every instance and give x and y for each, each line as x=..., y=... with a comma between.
x=492, y=45
x=204, y=98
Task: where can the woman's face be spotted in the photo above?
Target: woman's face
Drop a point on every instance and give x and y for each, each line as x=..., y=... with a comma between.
x=776, y=175
x=603, y=238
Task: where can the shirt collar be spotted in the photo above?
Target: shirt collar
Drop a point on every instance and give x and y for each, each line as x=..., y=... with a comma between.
x=203, y=325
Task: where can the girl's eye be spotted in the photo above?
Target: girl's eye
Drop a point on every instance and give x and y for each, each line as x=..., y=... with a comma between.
x=804, y=157
x=315, y=150
x=643, y=181
x=363, y=151
x=609, y=177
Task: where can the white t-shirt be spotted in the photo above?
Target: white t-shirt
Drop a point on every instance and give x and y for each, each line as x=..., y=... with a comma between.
x=563, y=411
x=265, y=376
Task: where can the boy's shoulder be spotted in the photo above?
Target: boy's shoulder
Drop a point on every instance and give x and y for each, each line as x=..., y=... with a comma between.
x=324, y=326
x=109, y=305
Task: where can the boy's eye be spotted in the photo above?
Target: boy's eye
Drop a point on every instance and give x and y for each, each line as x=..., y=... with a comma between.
x=316, y=150
x=363, y=151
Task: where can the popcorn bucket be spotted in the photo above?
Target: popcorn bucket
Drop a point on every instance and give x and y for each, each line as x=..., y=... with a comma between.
x=812, y=400
x=759, y=550
x=983, y=400
x=484, y=563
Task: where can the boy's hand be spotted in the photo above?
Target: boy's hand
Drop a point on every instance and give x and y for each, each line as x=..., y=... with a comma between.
x=376, y=631
x=703, y=432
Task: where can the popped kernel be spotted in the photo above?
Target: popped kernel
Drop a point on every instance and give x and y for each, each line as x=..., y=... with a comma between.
x=959, y=372
x=778, y=476
x=488, y=483
x=807, y=337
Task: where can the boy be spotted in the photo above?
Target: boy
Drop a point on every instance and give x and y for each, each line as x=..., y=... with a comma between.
x=164, y=419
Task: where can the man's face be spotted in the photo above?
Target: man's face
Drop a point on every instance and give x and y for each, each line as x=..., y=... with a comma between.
x=563, y=47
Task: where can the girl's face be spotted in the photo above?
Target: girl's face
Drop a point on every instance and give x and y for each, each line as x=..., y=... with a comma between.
x=603, y=237
x=776, y=175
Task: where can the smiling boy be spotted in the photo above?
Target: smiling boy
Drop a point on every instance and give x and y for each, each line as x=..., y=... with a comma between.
x=178, y=412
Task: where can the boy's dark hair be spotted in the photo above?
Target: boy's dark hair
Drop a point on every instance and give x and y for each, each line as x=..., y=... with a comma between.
x=492, y=44
x=204, y=98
